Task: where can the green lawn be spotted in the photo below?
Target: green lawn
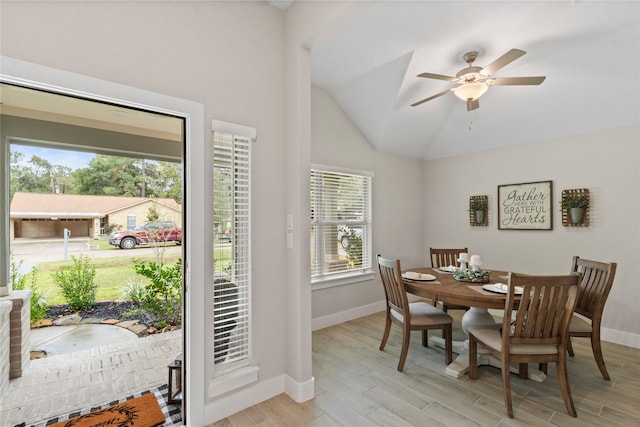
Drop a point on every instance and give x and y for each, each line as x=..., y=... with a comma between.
x=111, y=275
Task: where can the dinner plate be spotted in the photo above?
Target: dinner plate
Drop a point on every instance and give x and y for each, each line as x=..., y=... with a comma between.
x=424, y=277
x=449, y=269
x=500, y=288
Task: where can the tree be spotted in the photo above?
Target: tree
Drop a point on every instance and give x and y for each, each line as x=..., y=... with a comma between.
x=169, y=180
x=37, y=176
x=153, y=213
x=109, y=176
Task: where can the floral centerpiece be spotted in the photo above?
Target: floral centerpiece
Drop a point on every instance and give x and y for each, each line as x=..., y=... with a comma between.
x=471, y=275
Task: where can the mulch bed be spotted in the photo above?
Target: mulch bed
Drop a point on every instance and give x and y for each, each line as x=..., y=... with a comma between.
x=103, y=310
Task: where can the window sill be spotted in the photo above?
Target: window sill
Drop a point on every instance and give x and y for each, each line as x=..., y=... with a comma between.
x=342, y=279
x=233, y=380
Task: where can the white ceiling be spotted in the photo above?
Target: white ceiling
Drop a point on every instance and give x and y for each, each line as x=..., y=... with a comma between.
x=589, y=51
x=41, y=105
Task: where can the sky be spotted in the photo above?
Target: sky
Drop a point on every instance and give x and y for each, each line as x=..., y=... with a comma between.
x=73, y=159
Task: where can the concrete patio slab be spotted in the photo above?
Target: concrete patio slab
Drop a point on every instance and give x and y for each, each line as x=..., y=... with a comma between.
x=67, y=339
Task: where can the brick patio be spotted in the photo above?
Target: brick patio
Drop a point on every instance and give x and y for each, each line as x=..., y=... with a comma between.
x=63, y=383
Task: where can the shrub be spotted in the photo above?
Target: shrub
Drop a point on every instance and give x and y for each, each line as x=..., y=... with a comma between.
x=39, y=305
x=18, y=280
x=77, y=283
x=133, y=290
x=111, y=227
x=163, y=294
x=354, y=251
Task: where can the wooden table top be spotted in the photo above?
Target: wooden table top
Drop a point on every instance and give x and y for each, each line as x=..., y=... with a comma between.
x=446, y=288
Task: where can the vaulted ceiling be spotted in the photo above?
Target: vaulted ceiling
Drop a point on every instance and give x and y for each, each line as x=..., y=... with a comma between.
x=589, y=52
x=369, y=60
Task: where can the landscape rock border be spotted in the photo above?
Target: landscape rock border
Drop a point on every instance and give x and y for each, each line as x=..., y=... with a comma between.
x=92, y=317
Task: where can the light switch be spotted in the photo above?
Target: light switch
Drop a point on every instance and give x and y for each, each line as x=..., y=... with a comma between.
x=289, y=240
x=289, y=222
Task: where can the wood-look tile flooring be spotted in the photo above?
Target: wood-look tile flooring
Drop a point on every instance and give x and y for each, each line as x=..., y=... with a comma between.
x=358, y=385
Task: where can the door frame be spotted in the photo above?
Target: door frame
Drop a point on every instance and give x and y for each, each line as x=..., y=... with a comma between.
x=196, y=161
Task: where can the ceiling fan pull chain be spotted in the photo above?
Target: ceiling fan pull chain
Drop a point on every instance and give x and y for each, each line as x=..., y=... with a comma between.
x=470, y=121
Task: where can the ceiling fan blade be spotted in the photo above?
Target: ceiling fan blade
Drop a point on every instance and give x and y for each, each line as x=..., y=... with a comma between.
x=504, y=60
x=473, y=104
x=438, y=76
x=437, y=95
x=508, y=81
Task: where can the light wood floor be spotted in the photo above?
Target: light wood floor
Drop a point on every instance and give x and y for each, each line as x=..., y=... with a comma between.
x=358, y=385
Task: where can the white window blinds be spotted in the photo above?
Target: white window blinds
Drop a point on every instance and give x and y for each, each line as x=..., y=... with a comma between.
x=231, y=251
x=340, y=223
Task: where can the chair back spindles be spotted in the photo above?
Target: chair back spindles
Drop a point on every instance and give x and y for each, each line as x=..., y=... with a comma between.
x=445, y=257
x=392, y=282
x=597, y=280
x=542, y=314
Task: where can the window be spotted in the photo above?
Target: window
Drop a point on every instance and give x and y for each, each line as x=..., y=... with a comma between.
x=231, y=251
x=340, y=223
x=131, y=221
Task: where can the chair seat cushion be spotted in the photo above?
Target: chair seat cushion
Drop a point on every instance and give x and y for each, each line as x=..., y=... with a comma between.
x=580, y=324
x=493, y=338
x=423, y=314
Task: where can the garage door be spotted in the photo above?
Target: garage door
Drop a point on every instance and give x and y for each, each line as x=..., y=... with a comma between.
x=35, y=228
x=40, y=228
x=78, y=227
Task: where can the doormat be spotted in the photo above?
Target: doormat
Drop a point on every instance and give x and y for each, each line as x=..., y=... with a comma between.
x=142, y=411
x=171, y=414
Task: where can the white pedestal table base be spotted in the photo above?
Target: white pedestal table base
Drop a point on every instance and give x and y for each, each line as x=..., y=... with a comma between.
x=474, y=318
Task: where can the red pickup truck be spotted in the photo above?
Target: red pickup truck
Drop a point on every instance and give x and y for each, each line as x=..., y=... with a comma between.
x=148, y=233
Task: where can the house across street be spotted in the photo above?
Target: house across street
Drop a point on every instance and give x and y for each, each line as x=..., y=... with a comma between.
x=36, y=215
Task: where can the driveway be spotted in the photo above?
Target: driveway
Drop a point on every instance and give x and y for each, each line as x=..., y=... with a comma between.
x=34, y=251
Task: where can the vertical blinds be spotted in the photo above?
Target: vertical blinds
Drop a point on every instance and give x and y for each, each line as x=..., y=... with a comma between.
x=340, y=222
x=231, y=251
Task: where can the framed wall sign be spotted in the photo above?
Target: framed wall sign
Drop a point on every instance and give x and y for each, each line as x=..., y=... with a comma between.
x=525, y=206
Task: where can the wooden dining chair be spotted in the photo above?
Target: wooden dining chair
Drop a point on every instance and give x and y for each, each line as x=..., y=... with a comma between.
x=597, y=279
x=410, y=316
x=445, y=258
x=538, y=334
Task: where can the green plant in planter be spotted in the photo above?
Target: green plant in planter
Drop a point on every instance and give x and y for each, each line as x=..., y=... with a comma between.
x=477, y=205
x=479, y=209
x=575, y=200
x=575, y=204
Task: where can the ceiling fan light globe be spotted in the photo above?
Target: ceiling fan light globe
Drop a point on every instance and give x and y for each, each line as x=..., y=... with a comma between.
x=470, y=91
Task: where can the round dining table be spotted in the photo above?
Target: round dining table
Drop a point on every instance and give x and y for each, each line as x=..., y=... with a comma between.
x=473, y=295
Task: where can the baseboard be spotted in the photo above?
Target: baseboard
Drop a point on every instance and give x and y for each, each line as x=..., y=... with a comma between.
x=259, y=392
x=609, y=335
x=300, y=392
x=620, y=337
x=345, y=316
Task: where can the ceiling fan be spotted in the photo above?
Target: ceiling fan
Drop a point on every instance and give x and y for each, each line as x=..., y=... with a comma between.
x=472, y=81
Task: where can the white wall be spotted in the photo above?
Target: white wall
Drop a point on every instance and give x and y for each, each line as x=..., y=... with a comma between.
x=410, y=196
x=607, y=163
x=396, y=203
x=228, y=56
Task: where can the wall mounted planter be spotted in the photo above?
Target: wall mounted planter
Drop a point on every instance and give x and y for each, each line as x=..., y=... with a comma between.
x=478, y=209
x=575, y=207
